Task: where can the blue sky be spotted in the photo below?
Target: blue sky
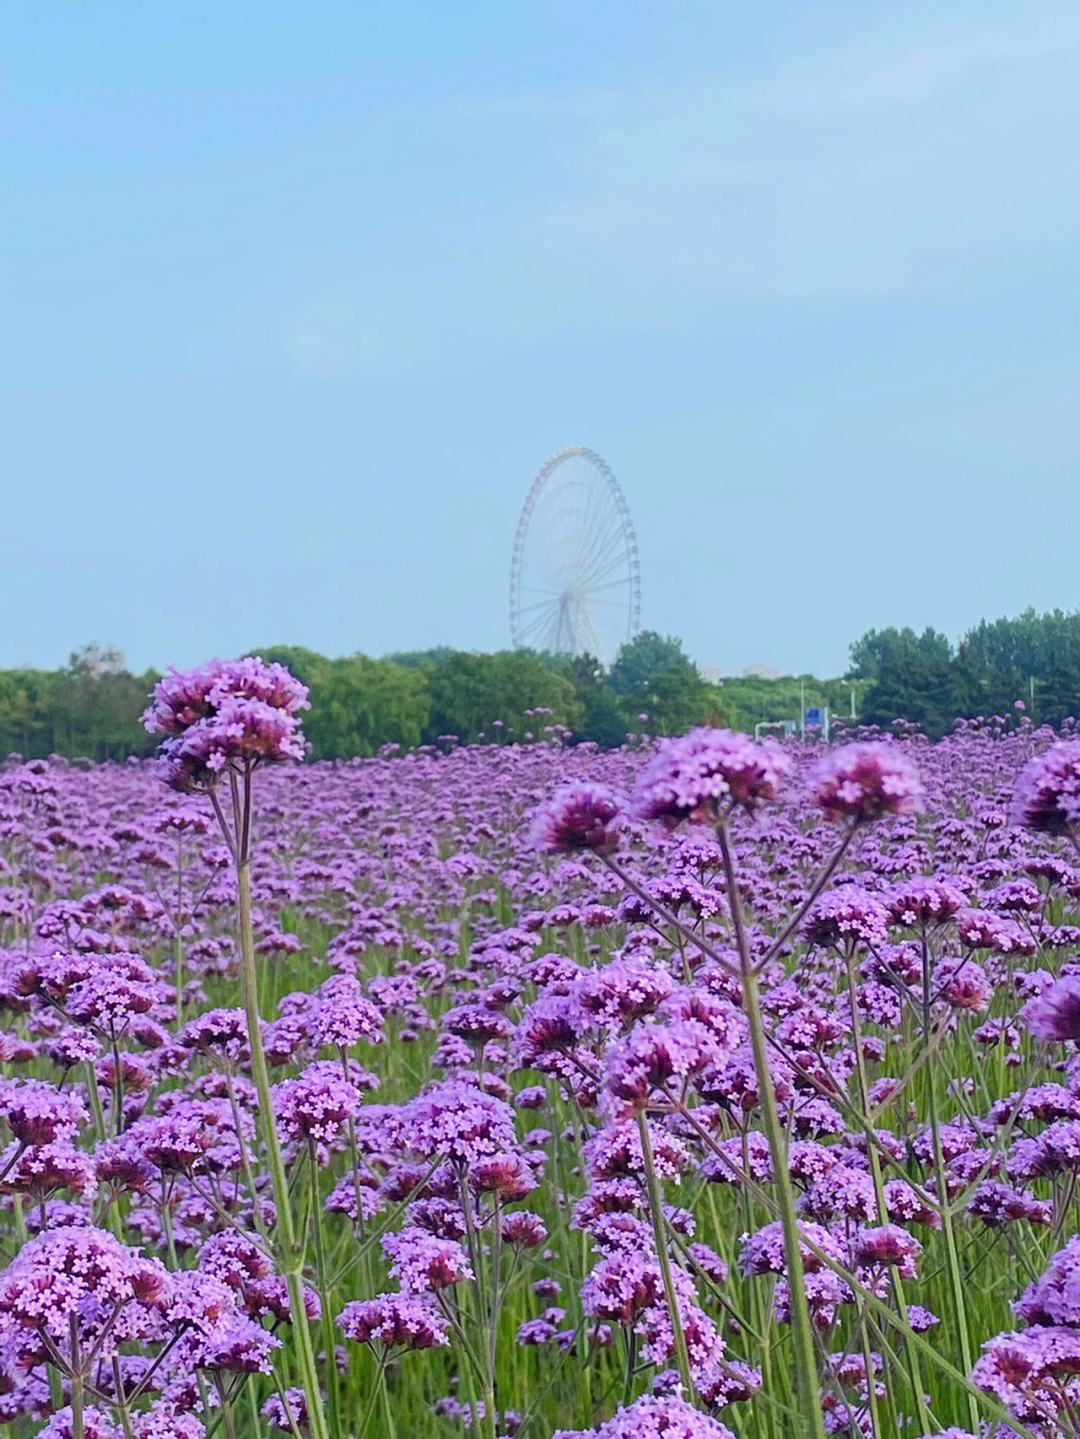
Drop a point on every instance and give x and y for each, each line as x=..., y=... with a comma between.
x=297, y=300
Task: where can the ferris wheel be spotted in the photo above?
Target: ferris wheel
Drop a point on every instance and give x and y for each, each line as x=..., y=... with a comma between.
x=575, y=580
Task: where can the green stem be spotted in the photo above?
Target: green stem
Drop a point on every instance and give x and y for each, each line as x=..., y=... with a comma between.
x=952, y=1261
x=245, y=1162
x=290, y=1248
x=462, y=1339
x=118, y=1093
x=112, y=1216
x=809, y=1389
x=487, y=1381
x=384, y=1389
x=656, y=1208
x=94, y=1095
x=56, y=1387
x=324, y=1295
x=925, y=1421
x=118, y=1385
x=22, y=1234
x=376, y=1390
x=78, y=1430
x=253, y=1403
x=496, y=1268
x=226, y=1408
x=871, y=1381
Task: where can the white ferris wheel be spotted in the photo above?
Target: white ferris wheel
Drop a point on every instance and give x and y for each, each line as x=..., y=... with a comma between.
x=575, y=580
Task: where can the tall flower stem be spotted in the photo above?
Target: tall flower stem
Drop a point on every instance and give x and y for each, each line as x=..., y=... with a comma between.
x=952, y=1257
x=354, y=1159
x=879, y=1188
x=656, y=1209
x=324, y=1294
x=384, y=1392
x=824, y=875
x=291, y=1250
x=78, y=1380
x=245, y=1162
x=485, y=1365
x=226, y=1408
x=373, y=1398
x=801, y=1329
x=496, y=1266
x=122, y=1404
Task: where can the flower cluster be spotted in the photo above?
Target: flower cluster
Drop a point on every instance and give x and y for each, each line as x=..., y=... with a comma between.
x=866, y=781
x=239, y=712
x=654, y=1418
x=706, y=772
x=1047, y=794
x=577, y=817
x=539, y=1029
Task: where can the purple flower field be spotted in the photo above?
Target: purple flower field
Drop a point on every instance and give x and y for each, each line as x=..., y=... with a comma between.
x=704, y=1087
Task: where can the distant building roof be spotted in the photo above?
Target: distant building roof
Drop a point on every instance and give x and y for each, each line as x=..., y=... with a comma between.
x=760, y=672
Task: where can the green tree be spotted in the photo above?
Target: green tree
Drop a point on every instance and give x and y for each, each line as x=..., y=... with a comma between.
x=24, y=720
x=916, y=687
x=911, y=676
x=471, y=692
x=1007, y=659
x=652, y=675
x=878, y=649
x=357, y=704
x=603, y=720
x=309, y=667
x=363, y=704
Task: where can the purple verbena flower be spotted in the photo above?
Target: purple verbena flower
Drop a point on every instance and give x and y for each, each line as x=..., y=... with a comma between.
x=1047, y=793
x=239, y=712
x=702, y=774
x=866, y=781
x=1054, y=1015
x=653, y=1417
x=577, y=817
x=395, y=1320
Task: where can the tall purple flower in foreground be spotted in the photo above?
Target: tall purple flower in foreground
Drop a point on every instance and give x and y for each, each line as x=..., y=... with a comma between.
x=227, y=718
x=228, y=712
x=1054, y=1015
x=866, y=781
x=577, y=816
x=1047, y=793
x=183, y=698
x=703, y=777
x=701, y=774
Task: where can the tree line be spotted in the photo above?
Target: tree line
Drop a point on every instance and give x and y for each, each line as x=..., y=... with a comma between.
x=443, y=696
x=359, y=705
x=1033, y=660
x=90, y=708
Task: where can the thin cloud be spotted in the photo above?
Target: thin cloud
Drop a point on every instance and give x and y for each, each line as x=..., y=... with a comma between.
x=874, y=167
